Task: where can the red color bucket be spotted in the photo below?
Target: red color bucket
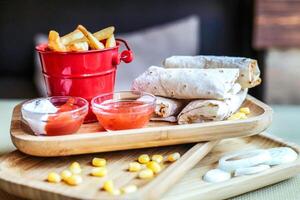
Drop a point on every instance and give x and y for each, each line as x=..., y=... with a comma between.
x=82, y=74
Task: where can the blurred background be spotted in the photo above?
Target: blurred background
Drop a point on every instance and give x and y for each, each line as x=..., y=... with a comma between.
x=262, y=29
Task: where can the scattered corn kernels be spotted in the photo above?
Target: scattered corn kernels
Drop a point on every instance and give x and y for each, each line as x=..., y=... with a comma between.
x=173, y=157
x=99, y=171
x=75, y=168
x=245, y=110
x=129, y=189
x=99, y=162
x=75, y=179
x=154, y=166
x=108, y=186
x=53, y=177
x=157, y=158
x=134, y=167
x=143, y=159
x=146, y=174
x=65, y=175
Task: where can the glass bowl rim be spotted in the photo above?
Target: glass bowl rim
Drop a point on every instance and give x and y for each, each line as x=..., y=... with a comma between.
x=105, y=107
x=80, y=109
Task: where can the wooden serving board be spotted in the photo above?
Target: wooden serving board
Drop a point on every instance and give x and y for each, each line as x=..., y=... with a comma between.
x=191, y=186
x=25, y=176
x=91, y=139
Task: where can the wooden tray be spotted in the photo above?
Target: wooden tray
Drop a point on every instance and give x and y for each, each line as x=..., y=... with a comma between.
x=24, y=175
x=90, y=138
x=191, y=186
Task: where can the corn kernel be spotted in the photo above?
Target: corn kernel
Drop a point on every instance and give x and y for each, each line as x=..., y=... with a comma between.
x=144, y=158
x=173, y=157
x=75, y=164
x=245, y=110
x=108, y=186
x=53, y=177
x=157, y=158
x=65, y=175
x=237, y=115
x=241, y=115
x=99, y=162
x=134, y=167
x=145, y=174
x=154, y=166
x=75, y=168
x=99, y=171
x=233, y=117
x=129, y=189
x=74, y=179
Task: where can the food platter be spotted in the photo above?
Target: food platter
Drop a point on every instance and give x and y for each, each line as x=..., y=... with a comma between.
x=91, y=138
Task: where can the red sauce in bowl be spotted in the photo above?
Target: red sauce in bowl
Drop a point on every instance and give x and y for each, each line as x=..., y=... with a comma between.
x=122, y=115
x=64, y=122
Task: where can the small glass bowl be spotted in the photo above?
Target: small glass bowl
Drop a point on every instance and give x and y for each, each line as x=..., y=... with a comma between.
x=123, y=110
x=58, y=123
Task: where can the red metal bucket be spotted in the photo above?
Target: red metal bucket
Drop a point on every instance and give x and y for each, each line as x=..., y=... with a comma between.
x=83, y=74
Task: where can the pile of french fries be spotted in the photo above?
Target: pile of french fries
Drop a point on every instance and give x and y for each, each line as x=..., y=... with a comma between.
x=82, y=40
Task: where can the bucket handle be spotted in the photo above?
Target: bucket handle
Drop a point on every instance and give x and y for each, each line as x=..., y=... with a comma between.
x=125, y=56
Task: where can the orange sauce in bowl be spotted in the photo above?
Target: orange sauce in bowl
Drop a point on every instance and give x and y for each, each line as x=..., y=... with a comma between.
x=64, y=123
x=124, y=115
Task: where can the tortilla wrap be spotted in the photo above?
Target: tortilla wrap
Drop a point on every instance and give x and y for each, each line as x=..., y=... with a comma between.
x=166, y=107
x=249, y=72
x=199, y=111
x=182, y=83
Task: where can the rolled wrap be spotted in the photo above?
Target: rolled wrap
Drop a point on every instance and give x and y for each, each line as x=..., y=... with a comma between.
x=184, y=83
x=249, y=72
x=211, y=110
x=166, y=107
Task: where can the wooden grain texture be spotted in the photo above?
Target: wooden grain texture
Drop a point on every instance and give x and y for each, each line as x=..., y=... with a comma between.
x=24, y=175
x=193, y=187
x=90, y=139
x=17, y=168
x=276, y=24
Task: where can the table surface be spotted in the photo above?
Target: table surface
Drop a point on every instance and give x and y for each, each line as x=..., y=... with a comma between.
x=286, y=124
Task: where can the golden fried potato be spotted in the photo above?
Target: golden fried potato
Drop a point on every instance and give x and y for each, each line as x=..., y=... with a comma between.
x=100, y=35
x=78, y=46
x=70, y=37
x=93, y=42
x=104, y=33
x=110, y=42
x=54, y=42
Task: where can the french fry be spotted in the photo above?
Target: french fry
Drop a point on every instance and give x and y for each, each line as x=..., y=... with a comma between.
x=78, y=46
x=104, y=33
x=93, y=42
x=100, y=35
x=55, y=43
x=70, y=37
x=110, y=42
